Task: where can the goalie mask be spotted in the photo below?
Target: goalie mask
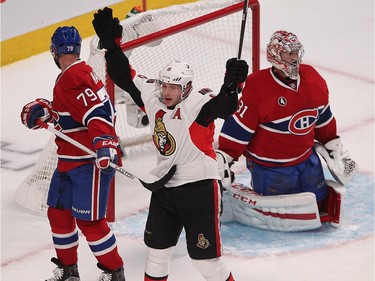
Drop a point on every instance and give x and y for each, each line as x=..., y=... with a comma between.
x=283, y=42
x=65, y=40
x=177, y=73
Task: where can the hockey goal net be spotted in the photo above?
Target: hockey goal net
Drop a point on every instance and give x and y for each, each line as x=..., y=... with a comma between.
x=205, y=34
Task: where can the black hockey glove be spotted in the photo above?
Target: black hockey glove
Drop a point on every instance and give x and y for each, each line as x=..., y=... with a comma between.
x=235, y=75
x=107, y=28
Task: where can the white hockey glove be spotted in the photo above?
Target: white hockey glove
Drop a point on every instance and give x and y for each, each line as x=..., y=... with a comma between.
x=338, y=160
x=223, y=161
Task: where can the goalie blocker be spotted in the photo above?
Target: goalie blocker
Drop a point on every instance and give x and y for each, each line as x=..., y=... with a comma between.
x=287, y=213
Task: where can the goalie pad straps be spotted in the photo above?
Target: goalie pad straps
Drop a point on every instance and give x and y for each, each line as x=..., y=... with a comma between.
x=331, y=209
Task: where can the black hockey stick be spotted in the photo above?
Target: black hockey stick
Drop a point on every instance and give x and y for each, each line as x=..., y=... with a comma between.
x=150, y=186
x=243, y=25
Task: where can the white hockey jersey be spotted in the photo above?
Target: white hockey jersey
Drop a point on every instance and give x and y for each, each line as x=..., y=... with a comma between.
x=178, y=138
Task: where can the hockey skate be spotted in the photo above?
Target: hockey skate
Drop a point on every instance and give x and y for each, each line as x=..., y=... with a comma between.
x=64, y=273
x=109, y=275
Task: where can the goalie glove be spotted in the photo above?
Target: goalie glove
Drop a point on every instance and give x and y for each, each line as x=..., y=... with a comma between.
x=338, y=160
x=223, y=163
x=38, y=109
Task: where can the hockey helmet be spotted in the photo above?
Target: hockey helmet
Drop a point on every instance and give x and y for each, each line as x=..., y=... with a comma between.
x=179, y=73
x=285, y=42
x=65, y=40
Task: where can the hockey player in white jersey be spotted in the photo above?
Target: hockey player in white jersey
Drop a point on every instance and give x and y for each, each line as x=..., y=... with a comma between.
x=182, y=125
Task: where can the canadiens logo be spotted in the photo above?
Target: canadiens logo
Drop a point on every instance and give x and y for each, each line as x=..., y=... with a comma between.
x=303, y=121
x=163, y=141
x=203, y=243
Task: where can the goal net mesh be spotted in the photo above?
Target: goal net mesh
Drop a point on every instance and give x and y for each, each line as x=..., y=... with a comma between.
x=205, y=34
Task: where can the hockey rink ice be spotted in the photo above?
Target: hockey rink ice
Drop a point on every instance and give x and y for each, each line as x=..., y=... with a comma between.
x=339, y=42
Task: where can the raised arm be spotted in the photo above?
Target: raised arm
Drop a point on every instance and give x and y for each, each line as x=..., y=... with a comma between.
x=225, y=103
x=109, y=31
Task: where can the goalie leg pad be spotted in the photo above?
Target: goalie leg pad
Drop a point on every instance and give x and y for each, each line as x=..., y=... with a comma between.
x=331, y=209
x=291, y=212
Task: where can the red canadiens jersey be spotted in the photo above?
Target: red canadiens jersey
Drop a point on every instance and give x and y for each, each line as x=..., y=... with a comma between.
x=275, y=124
x=82, y=110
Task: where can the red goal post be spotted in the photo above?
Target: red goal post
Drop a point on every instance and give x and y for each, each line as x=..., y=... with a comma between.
x=205, y=34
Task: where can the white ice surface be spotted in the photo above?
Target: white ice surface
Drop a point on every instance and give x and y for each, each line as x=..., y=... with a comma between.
x=338, y=37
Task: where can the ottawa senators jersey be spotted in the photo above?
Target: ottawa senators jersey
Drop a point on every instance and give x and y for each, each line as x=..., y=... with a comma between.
x=82, y=110
x=178, y=138
x=276, y=124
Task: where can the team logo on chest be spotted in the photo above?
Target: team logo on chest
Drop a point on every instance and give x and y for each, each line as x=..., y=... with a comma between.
x=303, y=121
x=163, y=141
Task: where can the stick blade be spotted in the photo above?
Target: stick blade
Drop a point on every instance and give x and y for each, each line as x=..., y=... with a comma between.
x=160, y=183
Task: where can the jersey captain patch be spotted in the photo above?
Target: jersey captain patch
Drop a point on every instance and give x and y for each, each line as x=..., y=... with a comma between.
x=303, y=121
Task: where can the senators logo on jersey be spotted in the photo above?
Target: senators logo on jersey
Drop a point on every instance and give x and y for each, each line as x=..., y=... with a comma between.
x=203, y=242
x=163, y=141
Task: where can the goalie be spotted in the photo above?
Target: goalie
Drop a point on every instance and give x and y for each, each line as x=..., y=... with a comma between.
x=284, y=110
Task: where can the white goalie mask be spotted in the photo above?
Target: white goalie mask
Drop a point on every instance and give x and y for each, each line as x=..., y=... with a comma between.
x=285, y=42
x=178, y=73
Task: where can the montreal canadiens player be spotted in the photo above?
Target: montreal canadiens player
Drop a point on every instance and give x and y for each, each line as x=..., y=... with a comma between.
x=283, y=112
x=182, y=125
x=78, y=193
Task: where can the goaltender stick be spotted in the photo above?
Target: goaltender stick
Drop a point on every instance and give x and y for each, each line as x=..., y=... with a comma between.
x=283, y=113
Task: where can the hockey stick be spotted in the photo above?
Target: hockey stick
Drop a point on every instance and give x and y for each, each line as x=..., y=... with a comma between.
x=243, y=25
x=150, y=186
